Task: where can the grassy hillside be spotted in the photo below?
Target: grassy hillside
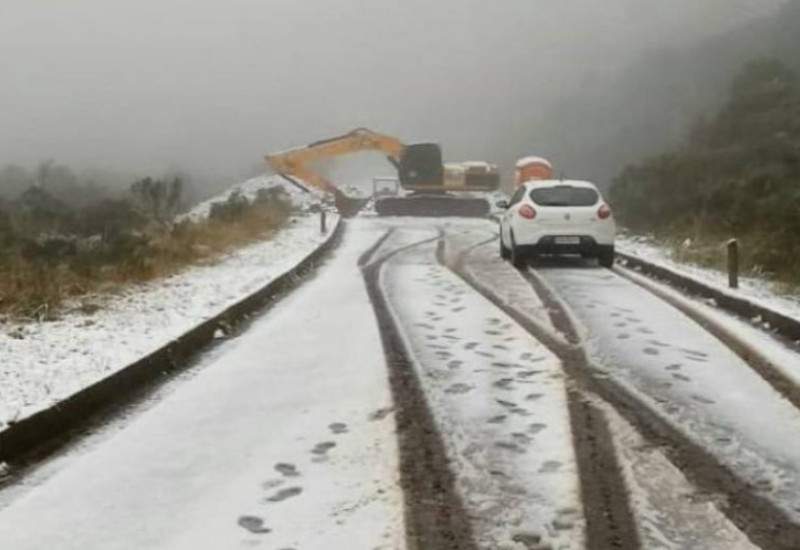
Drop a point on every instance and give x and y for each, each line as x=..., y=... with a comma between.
x=61, y=236
x=737, y=174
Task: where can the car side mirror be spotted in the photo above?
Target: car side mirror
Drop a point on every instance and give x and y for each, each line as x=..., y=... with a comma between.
x=502, y=204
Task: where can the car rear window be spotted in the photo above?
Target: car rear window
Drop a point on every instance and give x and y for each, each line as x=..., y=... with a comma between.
x=565, y=195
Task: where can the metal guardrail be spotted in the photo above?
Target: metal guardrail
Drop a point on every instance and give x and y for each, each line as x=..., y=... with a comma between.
x=55, y=424
x=784, y=325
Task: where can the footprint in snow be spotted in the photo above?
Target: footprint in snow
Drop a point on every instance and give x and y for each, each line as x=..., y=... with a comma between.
x=285, y=494
x=321, y=450
x=254, y=525
x=380, y=414
x=522, y=439
x=507, y=446
x=681, y=377
x=536, y=428
x=504, y=384
x=658, y=343
x=530, y=373
x=287, y=470
x=338, y=428
x=703, y=400
x=531, y=541
x=272, y=483
x=674, y=367
x=459, y=389
x=550, y=466
x=651, y=351
x=693, y=353
x=497, y=419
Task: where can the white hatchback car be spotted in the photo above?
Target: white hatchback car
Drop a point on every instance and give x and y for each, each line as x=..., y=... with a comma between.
x=557, y=217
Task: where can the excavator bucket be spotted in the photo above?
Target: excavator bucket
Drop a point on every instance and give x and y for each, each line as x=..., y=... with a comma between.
x=348, y=207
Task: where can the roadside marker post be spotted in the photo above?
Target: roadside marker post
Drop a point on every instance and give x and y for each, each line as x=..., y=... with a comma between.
x=733, y=263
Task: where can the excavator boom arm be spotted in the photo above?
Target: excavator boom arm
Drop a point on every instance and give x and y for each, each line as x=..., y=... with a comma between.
x=295, y=163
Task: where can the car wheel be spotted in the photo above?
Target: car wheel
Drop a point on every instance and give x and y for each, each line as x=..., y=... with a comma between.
x=517, y=259
x=606, y=256
x=505, y=253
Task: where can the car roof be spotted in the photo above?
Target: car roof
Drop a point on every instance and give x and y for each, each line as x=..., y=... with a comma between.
x=559, y=183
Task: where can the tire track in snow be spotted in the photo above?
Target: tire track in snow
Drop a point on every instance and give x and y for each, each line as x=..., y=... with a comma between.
x=761, y=365
x=500, y=401
x=755, y=515
x=435, y=516
x=610, y=521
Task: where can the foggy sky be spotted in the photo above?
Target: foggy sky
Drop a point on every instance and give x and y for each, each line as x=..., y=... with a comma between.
x=212, y=86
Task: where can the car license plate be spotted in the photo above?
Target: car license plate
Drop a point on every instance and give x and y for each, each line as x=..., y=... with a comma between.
x=568, y=240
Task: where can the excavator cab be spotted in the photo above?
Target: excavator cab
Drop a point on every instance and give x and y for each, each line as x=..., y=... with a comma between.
x=420, y=167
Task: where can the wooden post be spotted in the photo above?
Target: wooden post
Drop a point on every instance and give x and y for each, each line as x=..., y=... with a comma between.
x=323, y=222
x=733, y=263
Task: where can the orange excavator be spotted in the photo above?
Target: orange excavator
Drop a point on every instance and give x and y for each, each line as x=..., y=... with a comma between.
x=419, y=167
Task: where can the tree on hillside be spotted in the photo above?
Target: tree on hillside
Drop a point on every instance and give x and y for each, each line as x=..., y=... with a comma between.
x=736, y=174
x=158, y=200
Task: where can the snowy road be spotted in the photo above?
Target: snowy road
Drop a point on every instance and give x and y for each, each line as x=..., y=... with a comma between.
x=419, y=393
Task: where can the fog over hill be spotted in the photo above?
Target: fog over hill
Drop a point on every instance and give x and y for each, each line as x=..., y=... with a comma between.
x=210, y=87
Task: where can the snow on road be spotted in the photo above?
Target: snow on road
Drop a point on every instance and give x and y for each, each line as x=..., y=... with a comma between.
x=688, y=377
x=499, y=399
x=44, y=363
x=670, y=514
x=483, y=264
x=284, y=438
x=778, y=354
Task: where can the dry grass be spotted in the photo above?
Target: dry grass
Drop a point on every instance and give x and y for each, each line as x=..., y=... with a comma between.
x=33, y=288
x=754, y=251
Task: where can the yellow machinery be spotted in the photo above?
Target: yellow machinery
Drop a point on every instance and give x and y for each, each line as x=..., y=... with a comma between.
x=420, y=171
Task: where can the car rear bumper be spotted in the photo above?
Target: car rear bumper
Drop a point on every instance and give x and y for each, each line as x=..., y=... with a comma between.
x=550, y=245
x=587, y=246
x=589, y=235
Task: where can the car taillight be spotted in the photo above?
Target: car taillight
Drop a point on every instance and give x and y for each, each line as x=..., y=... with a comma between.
x=604, y=212
x=527, y=211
